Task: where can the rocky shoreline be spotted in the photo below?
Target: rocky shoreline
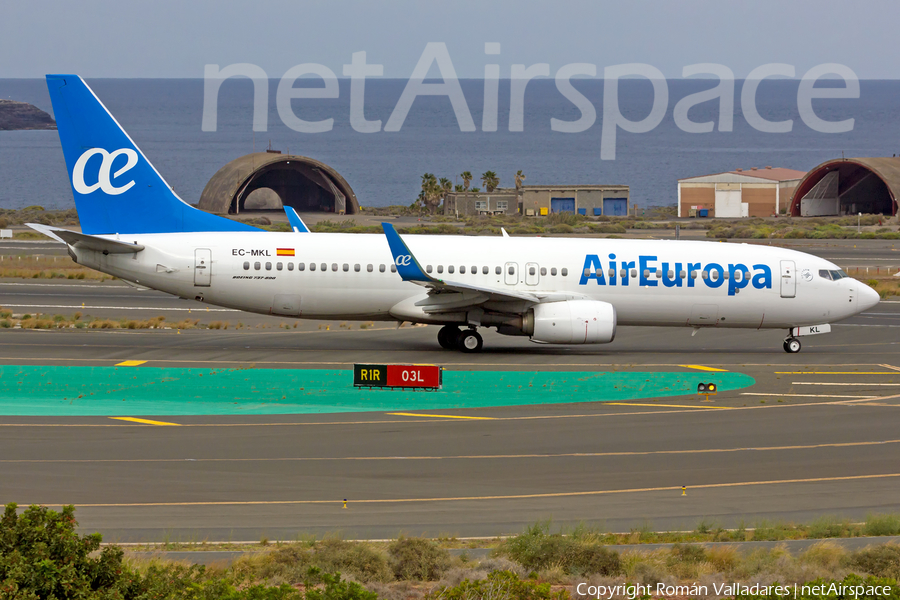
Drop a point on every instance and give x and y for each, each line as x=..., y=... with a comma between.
x=21, y=116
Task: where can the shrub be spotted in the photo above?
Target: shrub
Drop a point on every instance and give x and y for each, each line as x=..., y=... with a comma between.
x=359, y=560
x=882, y=524
x=498, y=584
x=580, y=553
x=418, y=559
x=43, y=557
x=829, y=526
x=882, y=560
x=5, y=323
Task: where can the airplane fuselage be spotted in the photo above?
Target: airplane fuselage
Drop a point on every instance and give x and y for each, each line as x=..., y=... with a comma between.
x=350, y=276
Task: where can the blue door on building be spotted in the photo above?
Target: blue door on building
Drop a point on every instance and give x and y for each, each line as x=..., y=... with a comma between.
x=561, y=205
x=615, y=207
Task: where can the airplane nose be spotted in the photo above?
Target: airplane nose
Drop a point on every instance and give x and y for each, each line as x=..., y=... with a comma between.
x=868, y=297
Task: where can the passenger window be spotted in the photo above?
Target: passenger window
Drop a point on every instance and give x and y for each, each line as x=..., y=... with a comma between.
x=725, y=275
x=634, y=273
x=370, y=268
x=450, y=268
x=346, y=267
x=323, y=267
x=553, y=271
x=268, y=266
x=356, y=267
x=247, y=266
x=474, y=271
x=312, y=266
x=290, y=266
x=704, y=275
x=693, y=274
x=440, y=268
x=393, y=268
x=671, y=275
x=512, y=270
x=659, y=273
x=428, y=269
x=646, y=273
x=682, y=274
x=825, y=274
x=301, y=266
x=485, y=270
x=564, y=272
x=381, y=268
x=462, y=270
x=714, y=275
x=279, y=266
x=532, y=271
x=587, y=272
x=544, y=272
x=498, y=270
x=738, y=275
x=334, y=266
x=256, y=266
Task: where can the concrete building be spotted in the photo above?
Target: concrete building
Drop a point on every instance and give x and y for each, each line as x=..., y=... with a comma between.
x=739, y=193
x=502, y=201
x=847, y=186
x=542, y=200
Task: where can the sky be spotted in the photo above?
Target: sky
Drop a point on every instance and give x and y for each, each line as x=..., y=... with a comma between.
x=168, y=38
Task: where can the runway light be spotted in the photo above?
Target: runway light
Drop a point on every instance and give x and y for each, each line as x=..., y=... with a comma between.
x=345, y=503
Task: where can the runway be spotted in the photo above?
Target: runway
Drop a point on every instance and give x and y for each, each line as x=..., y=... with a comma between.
x=815, y=433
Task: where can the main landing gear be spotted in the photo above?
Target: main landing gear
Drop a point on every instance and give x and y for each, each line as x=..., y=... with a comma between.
x=791, y=345
x=451, y=338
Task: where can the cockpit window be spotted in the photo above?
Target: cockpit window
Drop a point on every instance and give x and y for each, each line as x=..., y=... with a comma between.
x=832, y=275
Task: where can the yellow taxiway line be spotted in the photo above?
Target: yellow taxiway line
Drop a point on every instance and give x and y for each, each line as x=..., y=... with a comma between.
x=130, y=363
x=403, y=414
x=146, y=421
x=702, y=368
x=667, y=405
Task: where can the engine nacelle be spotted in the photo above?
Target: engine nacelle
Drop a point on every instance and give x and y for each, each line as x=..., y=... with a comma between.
x=572, y=322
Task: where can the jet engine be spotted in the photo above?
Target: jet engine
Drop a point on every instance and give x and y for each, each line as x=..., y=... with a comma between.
x=572, y=322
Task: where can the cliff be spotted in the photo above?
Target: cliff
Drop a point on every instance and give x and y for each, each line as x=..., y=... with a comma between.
x=21, y=115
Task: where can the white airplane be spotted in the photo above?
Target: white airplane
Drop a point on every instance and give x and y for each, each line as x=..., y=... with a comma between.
x=551, y=290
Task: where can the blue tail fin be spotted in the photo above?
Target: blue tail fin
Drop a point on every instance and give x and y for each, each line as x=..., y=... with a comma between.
x=116, y=188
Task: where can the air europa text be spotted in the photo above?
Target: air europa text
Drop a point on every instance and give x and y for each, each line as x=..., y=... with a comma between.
x=649, y=271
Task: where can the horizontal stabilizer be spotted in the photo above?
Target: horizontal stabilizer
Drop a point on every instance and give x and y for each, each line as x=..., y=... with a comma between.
x=83, y=241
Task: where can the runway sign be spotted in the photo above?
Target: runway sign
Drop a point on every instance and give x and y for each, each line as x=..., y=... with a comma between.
x=398, y=376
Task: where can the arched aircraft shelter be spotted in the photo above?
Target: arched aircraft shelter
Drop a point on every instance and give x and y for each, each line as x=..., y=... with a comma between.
x=269, y=181
x=847, y=186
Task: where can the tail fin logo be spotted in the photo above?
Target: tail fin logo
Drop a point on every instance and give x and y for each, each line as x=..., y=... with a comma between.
x=104, y=174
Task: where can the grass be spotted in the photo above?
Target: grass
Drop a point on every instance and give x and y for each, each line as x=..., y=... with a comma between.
x=47, y=267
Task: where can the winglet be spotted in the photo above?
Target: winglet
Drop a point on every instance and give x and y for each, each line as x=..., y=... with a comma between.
x=407, y=265
x=503, y=231
x=294, y=219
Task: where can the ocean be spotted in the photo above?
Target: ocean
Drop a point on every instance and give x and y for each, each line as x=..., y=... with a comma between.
x=164, y=118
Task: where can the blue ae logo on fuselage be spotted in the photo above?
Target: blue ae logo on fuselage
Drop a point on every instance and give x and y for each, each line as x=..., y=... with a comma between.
x=738, y=275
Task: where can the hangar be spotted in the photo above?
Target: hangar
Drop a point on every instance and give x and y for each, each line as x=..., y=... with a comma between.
x=740, y=193
x=271, y=180
x=847, y=186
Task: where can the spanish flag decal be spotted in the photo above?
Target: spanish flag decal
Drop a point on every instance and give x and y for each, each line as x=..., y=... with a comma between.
x=285, y=252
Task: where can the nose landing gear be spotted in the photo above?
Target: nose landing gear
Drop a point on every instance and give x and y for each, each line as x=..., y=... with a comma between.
x=451, y=338
x=791, y=345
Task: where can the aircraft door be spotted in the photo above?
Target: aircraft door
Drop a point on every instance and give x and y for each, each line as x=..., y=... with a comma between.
x=788, y=279
x=202, y=266
x=511, y=273
x=532, y=273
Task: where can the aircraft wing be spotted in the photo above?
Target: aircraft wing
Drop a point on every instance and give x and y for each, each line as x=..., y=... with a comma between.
x=89, y=242
x=445, y=296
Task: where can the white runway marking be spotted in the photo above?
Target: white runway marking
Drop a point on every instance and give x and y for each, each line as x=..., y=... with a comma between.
x=840, y=383
x=801, y=395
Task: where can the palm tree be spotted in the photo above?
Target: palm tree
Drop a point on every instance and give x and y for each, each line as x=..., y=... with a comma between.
x=467, y=179
x=490, y=181
x=458, y=188
x=520, y=177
